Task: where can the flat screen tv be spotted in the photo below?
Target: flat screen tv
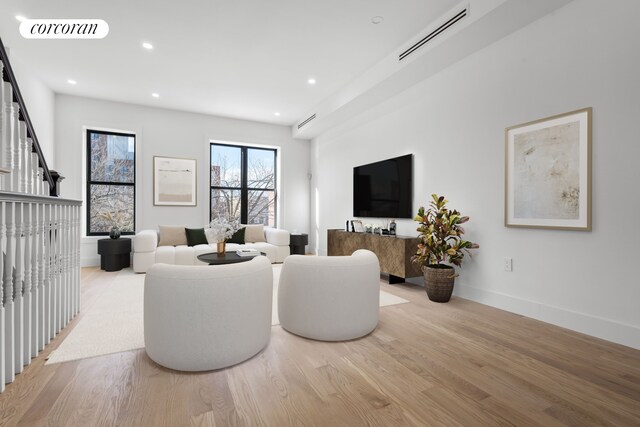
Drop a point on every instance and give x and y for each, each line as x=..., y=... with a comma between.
x=384, y=189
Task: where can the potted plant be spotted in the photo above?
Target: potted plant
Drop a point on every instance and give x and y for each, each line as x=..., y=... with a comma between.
x=440, y=242
x=220, y=230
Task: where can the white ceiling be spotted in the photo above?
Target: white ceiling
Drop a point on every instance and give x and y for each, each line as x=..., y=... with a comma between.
x=244, y=58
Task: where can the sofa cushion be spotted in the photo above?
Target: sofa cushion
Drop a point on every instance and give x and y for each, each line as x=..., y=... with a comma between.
x=238, y=236
x=172, y=235
x=195, y=236
x=254, y=233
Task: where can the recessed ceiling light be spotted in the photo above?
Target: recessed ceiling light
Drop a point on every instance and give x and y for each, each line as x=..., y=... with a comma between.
x=377, y=20
x=21, y=18
x=155, y=95
x=276, y=114
x=147, y=45
x=311, y=81
x=72, y=82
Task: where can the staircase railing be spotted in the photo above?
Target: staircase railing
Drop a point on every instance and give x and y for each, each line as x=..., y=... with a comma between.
x=39, y=239
x=21, y=156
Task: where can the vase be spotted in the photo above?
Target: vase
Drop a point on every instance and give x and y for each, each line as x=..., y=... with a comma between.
x=114, y=233
x=438, y=281
x=221, y=248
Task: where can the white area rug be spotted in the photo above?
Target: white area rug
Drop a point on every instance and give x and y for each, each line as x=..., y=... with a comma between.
x=114, y=322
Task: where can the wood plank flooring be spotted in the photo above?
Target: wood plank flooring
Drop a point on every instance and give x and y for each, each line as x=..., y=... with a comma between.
x=427, y=364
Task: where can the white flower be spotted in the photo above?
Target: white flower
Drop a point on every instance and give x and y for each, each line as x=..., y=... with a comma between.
x=222, y=229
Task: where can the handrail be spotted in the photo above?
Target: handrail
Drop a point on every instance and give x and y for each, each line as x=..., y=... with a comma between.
x=12, y=196
x=9, y=77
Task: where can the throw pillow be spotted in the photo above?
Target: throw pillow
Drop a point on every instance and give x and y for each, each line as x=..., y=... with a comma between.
x=195, y=236
x=254, y=233
x=238, y=236
x=172, y=236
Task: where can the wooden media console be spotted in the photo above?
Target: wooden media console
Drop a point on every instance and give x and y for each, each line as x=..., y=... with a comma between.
x=393, y=252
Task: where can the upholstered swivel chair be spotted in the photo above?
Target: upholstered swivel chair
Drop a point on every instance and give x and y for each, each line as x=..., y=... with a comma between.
x=200, y=318
x=333, y=298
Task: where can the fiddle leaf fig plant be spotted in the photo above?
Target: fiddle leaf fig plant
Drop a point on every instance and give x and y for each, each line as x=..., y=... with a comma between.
x=440, y=235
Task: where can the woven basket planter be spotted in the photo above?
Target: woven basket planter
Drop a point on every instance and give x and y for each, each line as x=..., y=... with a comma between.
x=438, y=282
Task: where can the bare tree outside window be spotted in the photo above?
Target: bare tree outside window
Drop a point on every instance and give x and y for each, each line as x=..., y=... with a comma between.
x=243, y=183
x=110, y=182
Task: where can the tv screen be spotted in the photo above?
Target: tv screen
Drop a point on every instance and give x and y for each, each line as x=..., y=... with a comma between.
x=384, y=189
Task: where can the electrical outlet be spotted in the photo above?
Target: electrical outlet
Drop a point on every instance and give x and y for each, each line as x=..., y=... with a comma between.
x=508, y=264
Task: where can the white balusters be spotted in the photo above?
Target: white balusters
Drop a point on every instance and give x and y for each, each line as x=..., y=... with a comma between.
x=18, y=277
x=39, y=275
x=35, y=244
x=35, y=177
x=28, y=166
x=3, y=251
x=9, y=135
x=26, y=287
x=15, y=148
x=42, y=254
x=21, y=157
x=9, y=251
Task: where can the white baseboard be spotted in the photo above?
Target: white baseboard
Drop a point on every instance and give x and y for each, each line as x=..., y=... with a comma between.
x=90, y=261
x=606, y=329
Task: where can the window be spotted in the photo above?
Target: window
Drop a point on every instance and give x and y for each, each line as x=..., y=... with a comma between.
x=243, y=184
x=111, y=179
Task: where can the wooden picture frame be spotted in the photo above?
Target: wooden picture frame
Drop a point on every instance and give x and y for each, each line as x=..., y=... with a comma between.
x=174, y=181
x=548, y=172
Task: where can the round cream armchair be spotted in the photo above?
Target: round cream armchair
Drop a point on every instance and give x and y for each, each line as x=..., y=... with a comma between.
x=333, y=298
x=200, y=318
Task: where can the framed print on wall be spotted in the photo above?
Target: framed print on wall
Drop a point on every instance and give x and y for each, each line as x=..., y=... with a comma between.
x=548, y=172
x=174, y=181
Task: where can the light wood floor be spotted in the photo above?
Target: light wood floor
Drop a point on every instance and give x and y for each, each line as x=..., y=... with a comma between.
x=460, y=363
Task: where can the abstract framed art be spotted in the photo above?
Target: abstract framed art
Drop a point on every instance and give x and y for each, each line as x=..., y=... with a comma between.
x=174, y=181
x=548, y=172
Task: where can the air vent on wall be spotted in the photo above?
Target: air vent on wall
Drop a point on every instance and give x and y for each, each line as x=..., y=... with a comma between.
x=441, y=29
x=307, y=120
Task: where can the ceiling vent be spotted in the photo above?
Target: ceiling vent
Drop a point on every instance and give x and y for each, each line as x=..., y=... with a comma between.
x=307, y=120
x=435, y=33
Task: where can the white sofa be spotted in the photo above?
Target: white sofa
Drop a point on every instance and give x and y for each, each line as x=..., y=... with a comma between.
x=200, y=319
x=146, y=251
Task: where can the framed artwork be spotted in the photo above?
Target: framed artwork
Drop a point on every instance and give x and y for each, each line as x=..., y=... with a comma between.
x=174, y=181
x=548, y=172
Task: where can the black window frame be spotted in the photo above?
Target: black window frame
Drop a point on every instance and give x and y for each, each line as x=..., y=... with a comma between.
x=114, y=183
x=244, y=189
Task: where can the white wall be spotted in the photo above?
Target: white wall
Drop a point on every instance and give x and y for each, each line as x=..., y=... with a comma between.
x=162, y=132
x=585, y=54
x=40, y=101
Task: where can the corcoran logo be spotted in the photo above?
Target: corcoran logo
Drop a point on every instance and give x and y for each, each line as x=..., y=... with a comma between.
x=64, y=29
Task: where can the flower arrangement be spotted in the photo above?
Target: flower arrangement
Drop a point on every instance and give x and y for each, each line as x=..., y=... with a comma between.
x=222, y=229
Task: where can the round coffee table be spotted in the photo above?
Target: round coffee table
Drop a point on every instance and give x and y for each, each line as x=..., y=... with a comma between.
x=214, y=258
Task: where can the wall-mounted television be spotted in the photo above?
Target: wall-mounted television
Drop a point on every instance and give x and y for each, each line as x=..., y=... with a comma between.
x=384, y=189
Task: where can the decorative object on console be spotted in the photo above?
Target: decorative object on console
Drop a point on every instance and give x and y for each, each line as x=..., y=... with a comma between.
x=222, y=229
x=440, y=242
x=114, y=233
x=392, y=228
x=548, y=172
x=174, y=181
x=357, y=226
